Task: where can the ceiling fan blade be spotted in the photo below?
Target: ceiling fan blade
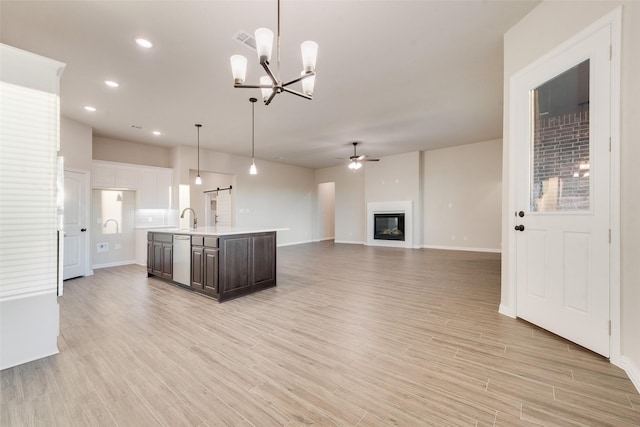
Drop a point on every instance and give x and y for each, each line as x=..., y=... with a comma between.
x=360, y=157
x=366, y=159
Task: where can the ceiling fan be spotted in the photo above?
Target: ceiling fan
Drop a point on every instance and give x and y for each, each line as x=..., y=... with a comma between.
x=355, y=161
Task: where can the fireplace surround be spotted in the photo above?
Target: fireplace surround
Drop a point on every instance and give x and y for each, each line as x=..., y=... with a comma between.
x=385, y=208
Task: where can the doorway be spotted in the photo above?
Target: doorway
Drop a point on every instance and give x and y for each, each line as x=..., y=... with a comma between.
x=74, y=258
x=326, y=210
x=561, y=131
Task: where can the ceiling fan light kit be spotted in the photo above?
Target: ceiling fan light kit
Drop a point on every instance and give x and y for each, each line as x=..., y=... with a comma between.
x=355, y=161
x=271, y=85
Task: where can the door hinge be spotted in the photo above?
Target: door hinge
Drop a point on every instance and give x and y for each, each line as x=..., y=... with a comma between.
x=609, y=236
x=609, y=327
x=609, y=144
x=610, y=52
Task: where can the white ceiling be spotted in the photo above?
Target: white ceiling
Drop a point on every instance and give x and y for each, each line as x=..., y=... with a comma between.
x=400, y=76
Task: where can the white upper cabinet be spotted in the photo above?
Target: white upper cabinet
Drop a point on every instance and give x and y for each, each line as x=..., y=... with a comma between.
x=152, y=185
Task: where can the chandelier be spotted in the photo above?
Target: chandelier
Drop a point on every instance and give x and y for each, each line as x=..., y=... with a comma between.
x=271, y=85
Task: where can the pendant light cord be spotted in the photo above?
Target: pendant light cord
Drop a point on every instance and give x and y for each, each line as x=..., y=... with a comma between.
x=198, y=126
x=253, y=129
x=278, y=41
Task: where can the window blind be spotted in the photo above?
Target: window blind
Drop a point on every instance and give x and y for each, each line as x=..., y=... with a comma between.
x=28, y=236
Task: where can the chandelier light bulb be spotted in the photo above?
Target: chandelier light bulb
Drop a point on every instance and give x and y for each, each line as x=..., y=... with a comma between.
x=309, y=55
x=239, y=68
x=308, y=83
x=264, y=44
x=266, y=92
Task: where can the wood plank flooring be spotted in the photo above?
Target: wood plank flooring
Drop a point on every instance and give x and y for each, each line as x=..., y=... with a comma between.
x=352, y=336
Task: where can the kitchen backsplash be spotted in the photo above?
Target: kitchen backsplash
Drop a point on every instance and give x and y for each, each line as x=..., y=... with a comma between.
x=150, y=218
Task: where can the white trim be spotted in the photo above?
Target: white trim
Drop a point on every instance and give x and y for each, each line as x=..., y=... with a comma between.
x=507, y=311
x=326, y=238
x=615, y=345
x=462, y=248
x=632, y=370
x=403, y=206
x=114, y=264
x=301, y=242
x=613, y=20
x=349, y=242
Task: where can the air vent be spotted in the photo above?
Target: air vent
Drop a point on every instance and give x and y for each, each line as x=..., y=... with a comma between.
x=245, y=39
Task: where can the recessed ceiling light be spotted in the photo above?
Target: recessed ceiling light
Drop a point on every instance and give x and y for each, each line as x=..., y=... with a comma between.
x=111, y=83
x=90, y=108
x=156, y=133
x=144, y=43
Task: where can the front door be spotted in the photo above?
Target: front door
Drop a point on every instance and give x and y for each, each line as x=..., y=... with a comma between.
x=562, y=130
x=75, y=224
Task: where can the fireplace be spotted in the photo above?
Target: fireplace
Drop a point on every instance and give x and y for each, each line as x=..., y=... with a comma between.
x=388, y=226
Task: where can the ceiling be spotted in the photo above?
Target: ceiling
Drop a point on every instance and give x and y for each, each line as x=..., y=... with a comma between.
x=399, y=76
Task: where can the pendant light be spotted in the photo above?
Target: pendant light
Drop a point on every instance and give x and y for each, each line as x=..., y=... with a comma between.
x=198, y=179
x=253, y=170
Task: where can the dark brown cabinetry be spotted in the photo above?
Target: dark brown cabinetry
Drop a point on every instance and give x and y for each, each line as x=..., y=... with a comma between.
x=222, y=267
x=204, y=265
x=160, y=255
x=247, y=263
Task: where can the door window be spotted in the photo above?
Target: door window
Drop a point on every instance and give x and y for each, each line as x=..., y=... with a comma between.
x=560, y=157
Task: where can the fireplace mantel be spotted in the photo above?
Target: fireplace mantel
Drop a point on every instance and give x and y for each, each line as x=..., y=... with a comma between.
x=405, y=207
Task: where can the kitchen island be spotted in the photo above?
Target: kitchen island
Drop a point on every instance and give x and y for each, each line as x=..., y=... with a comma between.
x=220, y=262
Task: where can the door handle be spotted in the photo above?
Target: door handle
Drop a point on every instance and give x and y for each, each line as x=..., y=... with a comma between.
x=520, y=227
x=83, y=229
x=521, y=214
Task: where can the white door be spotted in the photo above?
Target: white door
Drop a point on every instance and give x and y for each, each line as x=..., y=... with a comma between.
x=223, y=208
x=75, y=224
x=562, y=125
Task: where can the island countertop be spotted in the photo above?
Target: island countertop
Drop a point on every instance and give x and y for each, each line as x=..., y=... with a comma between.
x=214, y=231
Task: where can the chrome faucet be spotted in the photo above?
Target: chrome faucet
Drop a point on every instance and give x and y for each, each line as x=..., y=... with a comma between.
x=112, y=220
x=193, y=214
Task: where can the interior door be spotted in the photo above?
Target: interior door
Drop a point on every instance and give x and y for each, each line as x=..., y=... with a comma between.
x=75, y=224
x=562, y=125
x=223, y=208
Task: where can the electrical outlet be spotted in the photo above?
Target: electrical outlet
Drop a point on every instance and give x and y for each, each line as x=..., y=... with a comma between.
x=103, y=247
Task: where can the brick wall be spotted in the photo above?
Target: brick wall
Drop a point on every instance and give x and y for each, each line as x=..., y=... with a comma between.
x=561, y=145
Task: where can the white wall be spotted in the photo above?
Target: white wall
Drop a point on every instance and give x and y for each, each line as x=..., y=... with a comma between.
x=350, y=208
x=121, y=244
x=540, y=31
x=463, y=197
x=115, y=150
x=394, y=179
x=210, y=181
x=279, y=196
x=326, y=210
x=75, y=144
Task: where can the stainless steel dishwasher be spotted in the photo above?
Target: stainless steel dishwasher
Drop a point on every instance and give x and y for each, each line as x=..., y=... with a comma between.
x=182, y=259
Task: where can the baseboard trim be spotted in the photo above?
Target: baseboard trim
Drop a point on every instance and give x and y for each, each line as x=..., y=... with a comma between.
x=461, y=248
x=325, y=238
x=113, y=264
x=302, y=242
x=506, y=311
x=349, y=242
x=632, y=370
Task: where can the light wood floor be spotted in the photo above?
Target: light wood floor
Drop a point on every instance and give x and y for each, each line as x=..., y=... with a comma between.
x=352, y=336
